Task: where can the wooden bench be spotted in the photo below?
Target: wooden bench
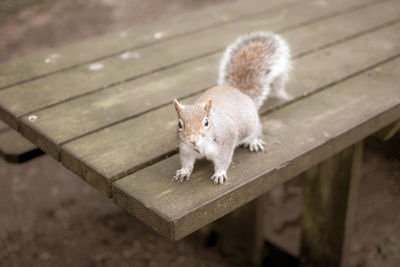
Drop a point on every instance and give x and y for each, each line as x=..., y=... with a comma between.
x=14, y=148
x=102, y=107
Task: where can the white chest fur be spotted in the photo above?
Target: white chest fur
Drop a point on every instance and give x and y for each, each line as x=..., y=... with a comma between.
x=207, y=149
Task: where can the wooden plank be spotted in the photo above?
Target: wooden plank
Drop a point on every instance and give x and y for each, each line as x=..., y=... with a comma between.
x=299, y=136
x=112, y=153
x=89, y=113
x=61, y=58
x=330, y=196
x=15, y=148
x=95, y=111
x=25, y=98
x=343, y=26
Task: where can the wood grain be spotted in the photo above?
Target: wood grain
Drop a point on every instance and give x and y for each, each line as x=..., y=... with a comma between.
x=25, y=98
x=72, y=55
x=126, y=147
x=330, y=197
x=95, y=111
x=299, y=136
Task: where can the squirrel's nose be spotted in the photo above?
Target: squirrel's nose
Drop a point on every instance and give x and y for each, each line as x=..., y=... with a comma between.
x=193, y=139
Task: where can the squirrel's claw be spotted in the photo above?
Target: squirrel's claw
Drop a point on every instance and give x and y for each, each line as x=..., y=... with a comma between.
x=256, y=145
x=181, y=174
x=219, y=177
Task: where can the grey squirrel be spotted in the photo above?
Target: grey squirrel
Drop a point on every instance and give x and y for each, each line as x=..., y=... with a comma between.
x=254, y=67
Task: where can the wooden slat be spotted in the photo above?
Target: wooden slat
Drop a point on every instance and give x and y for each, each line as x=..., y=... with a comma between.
x=89, y=113
x=25, y=98
x=15, y=148
x=110, y=154
x=303, y=134
x=29, y=67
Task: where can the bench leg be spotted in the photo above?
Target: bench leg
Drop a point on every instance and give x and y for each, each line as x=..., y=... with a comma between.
x=242, y=231
x=330, y=194
x=388, y=132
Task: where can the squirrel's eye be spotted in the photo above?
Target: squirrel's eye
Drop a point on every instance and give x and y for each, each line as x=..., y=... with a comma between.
x=205, y=122
x=180, y=124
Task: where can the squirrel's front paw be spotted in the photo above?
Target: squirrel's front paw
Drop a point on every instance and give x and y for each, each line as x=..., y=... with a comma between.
x=181, y=175
x=219, y=177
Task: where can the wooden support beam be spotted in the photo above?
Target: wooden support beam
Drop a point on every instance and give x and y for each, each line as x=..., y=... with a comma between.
x=242, y=230
x=330, y=195
x=388, y=132
x=16, y=149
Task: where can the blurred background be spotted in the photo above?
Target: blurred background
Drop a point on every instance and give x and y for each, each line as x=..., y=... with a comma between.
x=49, y=217
x=29, y=25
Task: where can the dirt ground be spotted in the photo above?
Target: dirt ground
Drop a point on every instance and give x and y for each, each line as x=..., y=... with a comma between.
x=31, y=25
x=49, y=217
x=375, y=239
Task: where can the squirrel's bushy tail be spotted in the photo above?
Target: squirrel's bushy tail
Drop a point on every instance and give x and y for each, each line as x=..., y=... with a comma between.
x=258, y=65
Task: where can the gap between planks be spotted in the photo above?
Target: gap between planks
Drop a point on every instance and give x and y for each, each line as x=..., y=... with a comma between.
x=157, y=41
x=264, y=113
x=132, y=169
x=196, y=93
x=149, y=192
x=256, y=14
x=378, y=63
x=283, y=104
x=155, y=107
x=313, y=20
x=282, y=30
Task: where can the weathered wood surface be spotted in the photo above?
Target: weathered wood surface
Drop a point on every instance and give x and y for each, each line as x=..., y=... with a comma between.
x=108, y=155
x=298, y=137
x=28, y=97
x=330, y=196
x=106, y=124
x=15, y=148
x=98, y=110
x=61, y=58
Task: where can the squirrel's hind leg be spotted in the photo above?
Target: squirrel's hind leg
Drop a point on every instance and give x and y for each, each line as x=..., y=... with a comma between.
x=255, y=145
x=253, y=142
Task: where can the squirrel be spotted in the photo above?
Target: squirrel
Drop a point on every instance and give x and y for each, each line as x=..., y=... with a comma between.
x=252, y=68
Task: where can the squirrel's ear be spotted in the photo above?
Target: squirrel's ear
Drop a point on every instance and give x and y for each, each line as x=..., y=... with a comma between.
x=178, y=106
x=207, y=107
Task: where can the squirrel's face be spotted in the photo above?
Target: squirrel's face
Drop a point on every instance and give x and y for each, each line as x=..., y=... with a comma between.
x=193, y=125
